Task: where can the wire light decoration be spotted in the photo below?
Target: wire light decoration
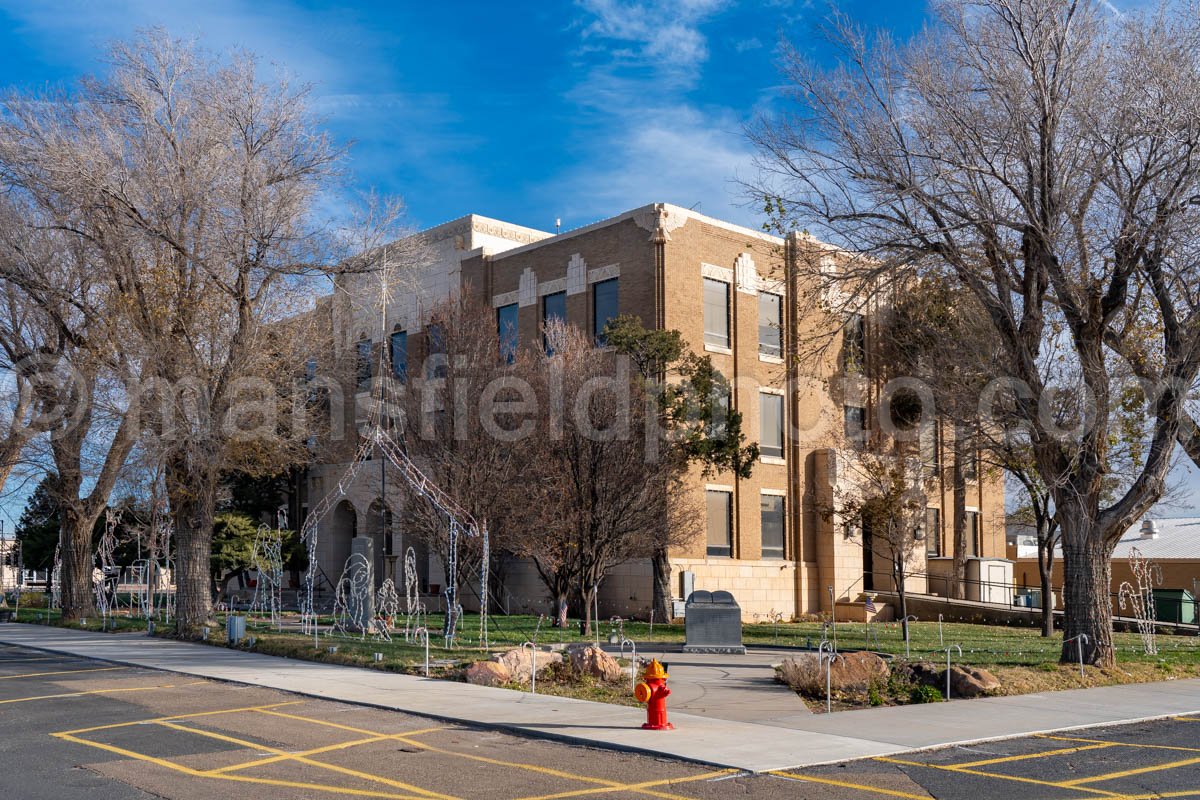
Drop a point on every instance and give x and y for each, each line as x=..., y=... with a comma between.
x=1141, y=598
x=104, y=587
x=266, y=558
x=352, y=599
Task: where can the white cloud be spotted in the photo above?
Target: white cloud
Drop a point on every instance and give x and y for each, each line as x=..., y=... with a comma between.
x=742, y=45
x=666, y=31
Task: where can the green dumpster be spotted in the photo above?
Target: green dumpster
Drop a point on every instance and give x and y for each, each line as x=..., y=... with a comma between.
x=1174, y=606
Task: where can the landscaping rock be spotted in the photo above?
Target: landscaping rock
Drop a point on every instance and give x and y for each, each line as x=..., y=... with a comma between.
x=852, y=672
x=921, y=673
x=488, y=673
x=970, y=681
x=516, y=661
x=589, y=660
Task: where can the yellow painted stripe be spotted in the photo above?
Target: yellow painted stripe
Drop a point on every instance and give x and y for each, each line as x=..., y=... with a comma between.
x=1186, y=719
x=315, y=751
x=367, y=776
x=236, y=778
x=97, y=691
x=177, y=716
x=1125, y=773
x=847, y=785
x=1015, y=778
x=1047, y=754
x=1177, y=748
x=634, y=787
x=59, y=672
x=556, y=773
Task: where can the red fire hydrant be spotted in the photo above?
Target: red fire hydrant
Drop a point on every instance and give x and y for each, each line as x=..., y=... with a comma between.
x=652, y=690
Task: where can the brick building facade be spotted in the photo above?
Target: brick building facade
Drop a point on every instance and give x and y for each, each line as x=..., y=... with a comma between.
x=732, y=294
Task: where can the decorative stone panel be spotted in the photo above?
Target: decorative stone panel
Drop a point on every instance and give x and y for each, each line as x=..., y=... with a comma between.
x=746, y=273
x=527, y=290
x=576, y=275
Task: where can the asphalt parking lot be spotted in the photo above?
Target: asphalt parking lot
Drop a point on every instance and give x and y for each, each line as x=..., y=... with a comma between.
x=73, y=728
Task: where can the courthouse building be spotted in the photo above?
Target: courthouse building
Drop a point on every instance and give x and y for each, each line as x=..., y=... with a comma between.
x=735, y=295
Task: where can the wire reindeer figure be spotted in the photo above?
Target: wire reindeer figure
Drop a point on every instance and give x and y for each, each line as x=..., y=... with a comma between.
x=1141, y=598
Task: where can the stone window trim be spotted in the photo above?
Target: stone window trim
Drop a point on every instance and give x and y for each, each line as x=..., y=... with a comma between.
x=718, y=487
x=713, y=348
x=723, y=274
x=603, y=273
x=772, y=390
x=774, y=492
x=770, y=359
x=773, y=460
x=505, y=299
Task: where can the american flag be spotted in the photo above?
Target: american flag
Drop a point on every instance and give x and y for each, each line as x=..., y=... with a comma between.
x=870, y=605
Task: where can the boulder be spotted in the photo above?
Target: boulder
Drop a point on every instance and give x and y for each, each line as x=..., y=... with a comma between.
x=852, y=672
x=970, y=681
x=517, y=662
x=921, y=673
x=488, y=673
x=590, y=660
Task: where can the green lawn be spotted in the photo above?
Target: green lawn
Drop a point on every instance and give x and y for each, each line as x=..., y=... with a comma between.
x=985, y=645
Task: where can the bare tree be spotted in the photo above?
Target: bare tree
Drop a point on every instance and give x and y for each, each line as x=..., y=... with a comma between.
x=1040, y=154
x=197, y=181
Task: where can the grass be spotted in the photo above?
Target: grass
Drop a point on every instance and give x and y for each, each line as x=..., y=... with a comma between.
x=1022, y=660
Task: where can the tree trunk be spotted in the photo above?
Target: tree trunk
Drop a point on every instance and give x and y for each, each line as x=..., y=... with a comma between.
x=193, y=515
x=75, y=579
x=1046, y=572
x=1087, y=604
x=959, y=528
x=662, y=585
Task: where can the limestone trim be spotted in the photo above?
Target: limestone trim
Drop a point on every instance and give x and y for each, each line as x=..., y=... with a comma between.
x=771, y=390
x=576, y=275
x=552, y=287
x=747, y=274
x=724, y=274
x=716, y=348
x=527, y=288
x=717, y=487
x=773, y=461
x=660, y=219
x=770, y=359
x=506, y=299
x=604, y=273
x=774, y=492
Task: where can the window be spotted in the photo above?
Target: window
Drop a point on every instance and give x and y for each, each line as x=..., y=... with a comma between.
x=771, y=435
x=554, y=307
x=400, y=356
x=770, y=328
x=436, y=363
x=856, y=424
x=970, y=466
x=933, y=532
x=310, y=370
x=720, y=412
x=720, y=522
x=854, y=343
x=506, y=329
x=773, y=525
x=973, y=542
x=716, y=313
x=931, y=446
x=362, y=366
x=604, y=307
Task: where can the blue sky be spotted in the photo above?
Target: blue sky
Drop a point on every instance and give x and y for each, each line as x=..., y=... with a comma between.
x=523, y=111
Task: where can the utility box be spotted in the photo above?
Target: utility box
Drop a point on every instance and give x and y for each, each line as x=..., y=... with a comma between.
x=713, y=623
x=990, y=580
x=235, y=628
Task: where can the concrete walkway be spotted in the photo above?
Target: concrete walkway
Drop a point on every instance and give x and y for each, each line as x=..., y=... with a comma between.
x=806, y=741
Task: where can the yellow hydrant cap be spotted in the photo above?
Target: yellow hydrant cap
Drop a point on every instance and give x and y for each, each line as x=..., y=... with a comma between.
x=654, y=671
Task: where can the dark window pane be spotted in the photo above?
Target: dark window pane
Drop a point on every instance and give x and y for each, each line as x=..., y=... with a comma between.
x=554, y=307
x=400, y=355
x=770, y=331
x=931, y=446
x=506, y=328
x=771, y=434
x=854, y=343
x=436, y=363
x=604, y=306
x=972, y=533
x=720, y=522
x=933, y=531
x=716, y=313
x=362, y=368
x=773, y=526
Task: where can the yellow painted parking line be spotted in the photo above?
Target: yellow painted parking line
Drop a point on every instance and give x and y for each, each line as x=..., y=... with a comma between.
x=1186, y=719
x=162, y=762
x=862, y=787
x=556, y=773
x=367, y=776
x=1015, y=778
x=316, y=751
x=1027, y=756
x=59, y=672
x=1178, y=748
x=634, y=787
x=98, y=691
x=176, y=716
x=1126, y=773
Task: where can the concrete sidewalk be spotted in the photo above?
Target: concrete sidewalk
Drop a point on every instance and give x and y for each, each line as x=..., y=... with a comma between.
x=808, y=740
